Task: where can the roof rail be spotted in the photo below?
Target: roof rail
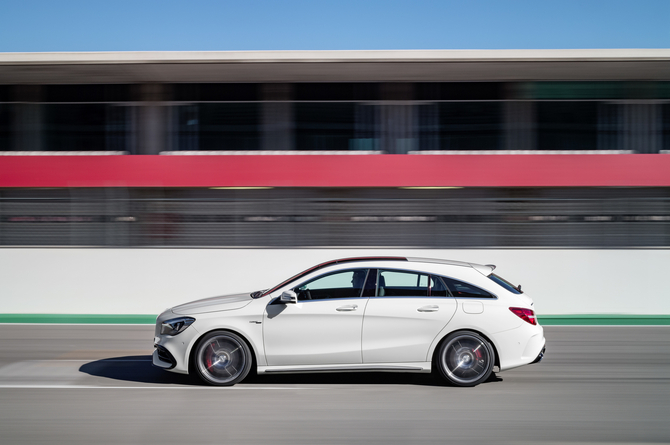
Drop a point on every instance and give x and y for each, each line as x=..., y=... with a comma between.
x=364, y=258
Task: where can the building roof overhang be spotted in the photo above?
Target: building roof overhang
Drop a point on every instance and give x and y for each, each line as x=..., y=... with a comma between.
x=336, y=66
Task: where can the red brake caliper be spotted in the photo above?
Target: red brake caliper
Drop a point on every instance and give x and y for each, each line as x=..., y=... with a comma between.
x=479, y=354
x=209, y=358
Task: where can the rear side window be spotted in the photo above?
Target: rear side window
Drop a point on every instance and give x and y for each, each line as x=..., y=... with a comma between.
x=460, y=289
x=394, y=283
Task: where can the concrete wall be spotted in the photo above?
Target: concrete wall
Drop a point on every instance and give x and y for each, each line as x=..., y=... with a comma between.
x=146, y=281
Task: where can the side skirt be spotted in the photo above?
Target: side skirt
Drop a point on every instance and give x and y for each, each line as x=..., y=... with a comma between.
x=422, y=367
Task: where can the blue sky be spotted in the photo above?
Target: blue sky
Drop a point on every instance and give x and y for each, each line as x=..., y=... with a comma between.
x=207, y=25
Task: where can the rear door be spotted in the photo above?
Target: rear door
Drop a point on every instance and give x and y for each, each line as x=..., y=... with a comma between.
x=407, y=313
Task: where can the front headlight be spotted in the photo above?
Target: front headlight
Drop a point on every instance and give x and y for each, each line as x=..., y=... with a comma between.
x=176, y=325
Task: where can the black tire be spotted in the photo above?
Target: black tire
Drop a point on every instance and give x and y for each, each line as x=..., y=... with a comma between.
x=465, y=358
x=222, y=358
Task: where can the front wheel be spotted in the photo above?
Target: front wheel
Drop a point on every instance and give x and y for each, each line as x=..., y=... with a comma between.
x=222, y=358
x=465, y=358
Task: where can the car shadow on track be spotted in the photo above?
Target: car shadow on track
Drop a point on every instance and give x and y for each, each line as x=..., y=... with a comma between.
x=356, y=378
x=137, y=368
x=140, y=370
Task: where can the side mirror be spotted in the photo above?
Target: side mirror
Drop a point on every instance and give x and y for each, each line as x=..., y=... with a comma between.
x=288, y=297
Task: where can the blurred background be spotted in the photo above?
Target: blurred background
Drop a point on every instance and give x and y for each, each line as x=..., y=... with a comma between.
x=157, y=152
x=409, y=118
x=547, y=162
x=170, y=152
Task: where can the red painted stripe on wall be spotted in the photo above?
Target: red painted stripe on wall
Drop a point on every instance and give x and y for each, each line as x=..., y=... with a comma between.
x=636, y=170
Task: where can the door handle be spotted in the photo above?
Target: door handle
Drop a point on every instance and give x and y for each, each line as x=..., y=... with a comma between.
x=430, y=308
x=349, y=308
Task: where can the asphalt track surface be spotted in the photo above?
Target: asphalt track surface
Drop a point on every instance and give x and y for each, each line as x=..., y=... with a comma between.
x=94, y=384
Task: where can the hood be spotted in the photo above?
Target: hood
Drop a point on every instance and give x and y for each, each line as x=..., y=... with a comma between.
x=213, y=304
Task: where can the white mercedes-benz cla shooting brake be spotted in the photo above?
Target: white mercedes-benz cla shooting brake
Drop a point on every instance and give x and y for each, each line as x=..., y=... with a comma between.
x=358, y=314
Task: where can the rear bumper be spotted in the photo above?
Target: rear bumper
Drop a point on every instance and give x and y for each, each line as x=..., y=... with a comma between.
x=539, y=357
x=520, y=346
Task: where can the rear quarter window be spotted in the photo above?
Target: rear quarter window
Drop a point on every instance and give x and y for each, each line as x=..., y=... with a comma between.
x=460, y=289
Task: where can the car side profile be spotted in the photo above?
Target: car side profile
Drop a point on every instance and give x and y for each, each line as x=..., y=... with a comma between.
x=456, y=319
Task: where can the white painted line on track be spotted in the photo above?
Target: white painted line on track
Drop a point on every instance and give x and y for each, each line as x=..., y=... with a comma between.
x=209, y=388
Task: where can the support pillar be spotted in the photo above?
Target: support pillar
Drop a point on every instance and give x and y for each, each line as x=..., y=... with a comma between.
x=277, y=126
x=28, y=122
x=153, y=117
x=519, y=120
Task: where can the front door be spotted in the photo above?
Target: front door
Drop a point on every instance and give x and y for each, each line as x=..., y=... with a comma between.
x=323, y=327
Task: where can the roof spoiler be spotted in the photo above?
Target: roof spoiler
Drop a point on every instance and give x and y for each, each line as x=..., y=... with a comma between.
x=485, y=270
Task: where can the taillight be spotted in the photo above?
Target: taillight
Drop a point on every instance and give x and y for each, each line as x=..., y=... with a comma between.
x=526, y=315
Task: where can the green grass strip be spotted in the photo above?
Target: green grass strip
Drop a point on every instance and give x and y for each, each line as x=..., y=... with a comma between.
x=546, y=320
x=604, y=320
x=78, y=318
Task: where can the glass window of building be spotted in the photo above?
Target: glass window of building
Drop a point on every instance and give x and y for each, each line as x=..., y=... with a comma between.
x=467, y=126
x=220, y=116
x=86, y=127
x=567, y=125
x=470, y=125
x=229, y=126
x=5, y=127
x=219, y=126
x=325, y=126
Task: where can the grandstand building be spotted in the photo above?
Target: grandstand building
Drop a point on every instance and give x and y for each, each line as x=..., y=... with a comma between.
x=453, y=149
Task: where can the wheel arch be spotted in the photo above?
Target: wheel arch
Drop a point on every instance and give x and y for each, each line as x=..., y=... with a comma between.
x=191, y=353
x=496, y=359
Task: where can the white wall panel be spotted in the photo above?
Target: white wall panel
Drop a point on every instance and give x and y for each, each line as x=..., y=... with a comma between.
x=146, y=281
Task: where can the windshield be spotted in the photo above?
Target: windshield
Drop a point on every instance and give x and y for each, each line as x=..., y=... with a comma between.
x=295, y=277
x=506, y=284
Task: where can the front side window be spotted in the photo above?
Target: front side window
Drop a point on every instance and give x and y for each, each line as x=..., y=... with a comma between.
x=343, y=284
x=393, y=283
x=460, y=289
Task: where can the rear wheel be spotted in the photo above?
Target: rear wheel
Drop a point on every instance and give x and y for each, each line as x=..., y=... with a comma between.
x=222, y=358
x=465, y=358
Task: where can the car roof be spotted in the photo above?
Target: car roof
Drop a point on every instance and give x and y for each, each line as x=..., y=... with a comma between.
x=484, y=269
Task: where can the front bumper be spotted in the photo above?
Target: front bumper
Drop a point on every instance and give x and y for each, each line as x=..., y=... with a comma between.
x=171, y=351
x=162, y=358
